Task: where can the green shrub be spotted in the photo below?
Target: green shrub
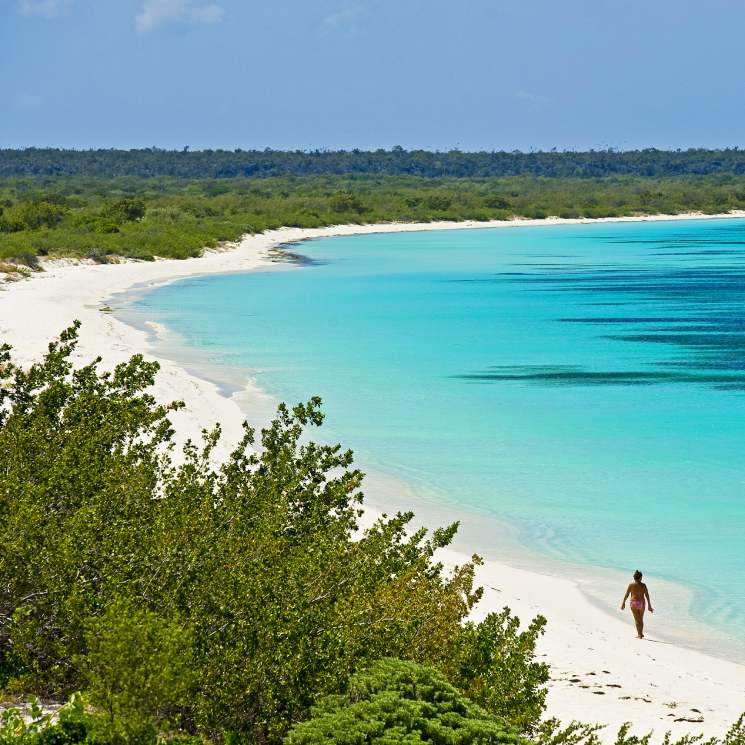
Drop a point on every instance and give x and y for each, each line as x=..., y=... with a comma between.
x=438, y=202
x=138, y=669
x=346, y=202
x=497, y=202
x=126, y=210
x=736, y=734
x=260, y=559
x=97, y=255
x=73, y=725
x=27, y=259
x=22, y=727
x=36, y=727
x=496, y=667
x=32, y=216
x=400, y=702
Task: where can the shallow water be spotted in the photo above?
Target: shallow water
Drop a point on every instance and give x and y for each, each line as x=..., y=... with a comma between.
x=585, y=384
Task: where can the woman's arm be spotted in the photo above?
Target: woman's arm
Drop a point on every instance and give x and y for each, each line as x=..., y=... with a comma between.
x=649, y=602
x=628, y=592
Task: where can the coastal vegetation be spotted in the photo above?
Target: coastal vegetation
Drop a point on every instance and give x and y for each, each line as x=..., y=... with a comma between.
x=199, y=164
x=99, y=217
x=224, y=600
x=397, y=701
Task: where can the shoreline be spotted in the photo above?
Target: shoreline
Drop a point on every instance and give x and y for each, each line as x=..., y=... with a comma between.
x=387, y=488
x=600, y=673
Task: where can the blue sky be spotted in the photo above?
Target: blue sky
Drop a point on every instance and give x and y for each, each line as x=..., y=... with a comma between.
x=474, y=74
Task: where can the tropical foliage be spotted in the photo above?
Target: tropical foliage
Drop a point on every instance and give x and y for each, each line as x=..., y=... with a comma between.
x=146, y=217
x=396, y=701
x=223, y=600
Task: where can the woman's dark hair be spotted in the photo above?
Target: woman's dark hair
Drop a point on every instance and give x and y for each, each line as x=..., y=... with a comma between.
x=637, y=575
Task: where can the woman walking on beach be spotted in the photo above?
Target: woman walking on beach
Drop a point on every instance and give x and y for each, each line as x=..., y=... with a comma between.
x=639, y=596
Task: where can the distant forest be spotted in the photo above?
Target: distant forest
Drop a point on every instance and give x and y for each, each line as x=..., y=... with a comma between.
x=212, y=164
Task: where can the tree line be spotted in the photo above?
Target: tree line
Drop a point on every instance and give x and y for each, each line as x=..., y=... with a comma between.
x=155, y=162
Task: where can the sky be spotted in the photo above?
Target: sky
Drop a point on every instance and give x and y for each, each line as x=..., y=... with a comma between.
x=435, y=74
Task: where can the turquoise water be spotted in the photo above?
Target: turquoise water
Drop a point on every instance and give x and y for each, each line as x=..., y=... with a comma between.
x=585, y=384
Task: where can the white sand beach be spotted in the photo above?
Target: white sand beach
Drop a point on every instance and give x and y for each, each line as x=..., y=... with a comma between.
x=600, y=671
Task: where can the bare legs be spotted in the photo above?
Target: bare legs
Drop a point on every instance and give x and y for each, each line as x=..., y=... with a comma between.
x=638, y=614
